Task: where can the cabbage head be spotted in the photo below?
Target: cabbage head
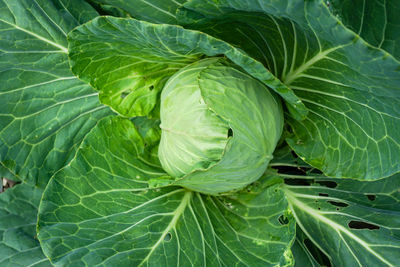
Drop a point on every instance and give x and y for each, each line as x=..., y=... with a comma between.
x=219, y=127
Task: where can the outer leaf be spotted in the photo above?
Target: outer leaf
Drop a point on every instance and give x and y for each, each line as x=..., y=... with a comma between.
x=99, y=211
x=45, y=111
x=156, y=11
x=129, y=61
x=18, y=244
x=352, y=90
x=377, y=21
x=354, y=223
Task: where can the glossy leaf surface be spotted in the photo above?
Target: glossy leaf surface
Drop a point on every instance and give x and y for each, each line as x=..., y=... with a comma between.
x=352, y=91
x=101, y=212
x=45, y=110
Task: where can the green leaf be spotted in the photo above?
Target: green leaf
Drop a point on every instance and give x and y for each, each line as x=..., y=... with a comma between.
x=129, y=61
x=376, y=21
x=352, y=90
x=155, y=11
x=354, y=223
x=18, y=211
x=99, y=211
x=45, y=110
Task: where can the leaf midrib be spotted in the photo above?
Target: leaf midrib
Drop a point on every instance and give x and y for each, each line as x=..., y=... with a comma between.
x=177, y=214
x=158, y=8
x=293, y=75
x=63, y=49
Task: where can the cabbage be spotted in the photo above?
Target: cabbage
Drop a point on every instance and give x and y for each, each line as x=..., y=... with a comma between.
x=219, y=125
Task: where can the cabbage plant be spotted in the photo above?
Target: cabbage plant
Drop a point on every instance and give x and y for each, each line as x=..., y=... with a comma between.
x=200, y=132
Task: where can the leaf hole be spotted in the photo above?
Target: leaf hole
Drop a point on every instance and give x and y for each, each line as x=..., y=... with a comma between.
x=306, y=182
x=363, y=225
x=338, y=204
x=371, y=197
x=323, y=195
x=317, y=254
x=291, y=170
x=168, y=237
x=151, y=87
x=316, y=171
x=283, y=220
x=124, y=94
x=6, y=183
x=329, y=184
x=230, y=132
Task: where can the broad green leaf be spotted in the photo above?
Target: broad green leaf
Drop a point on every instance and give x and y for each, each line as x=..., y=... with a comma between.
x=377, y=21
x=129, y=61
x=99, y=211
x=155, y=11
x=45, y=110
x=352, y=90
x=354, y=223
x=19, y=246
